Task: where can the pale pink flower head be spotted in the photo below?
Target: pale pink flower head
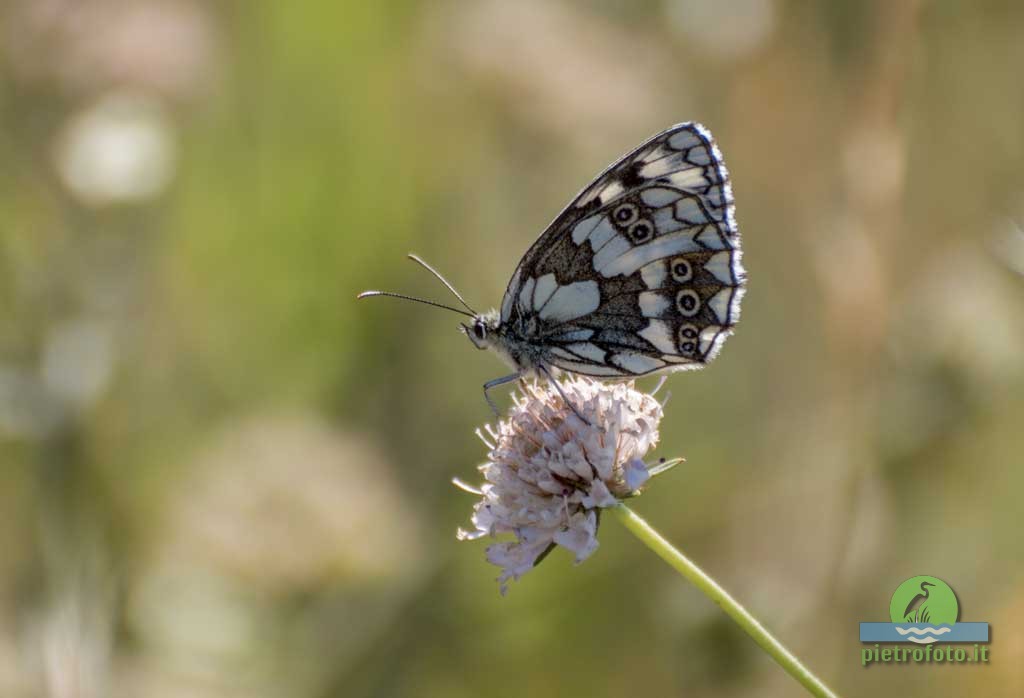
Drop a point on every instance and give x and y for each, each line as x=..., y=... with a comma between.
x=549, y=472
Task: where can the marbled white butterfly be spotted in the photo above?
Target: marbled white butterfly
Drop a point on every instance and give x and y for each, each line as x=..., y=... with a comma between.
x=639, y=274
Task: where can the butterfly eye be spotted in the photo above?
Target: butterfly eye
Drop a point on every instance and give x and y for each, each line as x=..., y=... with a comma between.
x=688, y=302
x=626, y=214
x=641, y=231
x=479, y=331
x=681, y=270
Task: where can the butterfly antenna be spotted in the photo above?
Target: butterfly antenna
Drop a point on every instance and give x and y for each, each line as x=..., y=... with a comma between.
x=444, y=281
x=370, y=294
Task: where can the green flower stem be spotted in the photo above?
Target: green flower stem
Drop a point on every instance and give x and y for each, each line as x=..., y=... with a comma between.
x=653, y=540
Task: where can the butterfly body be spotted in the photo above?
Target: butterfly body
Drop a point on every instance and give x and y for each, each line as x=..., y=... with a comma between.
x=639, y=274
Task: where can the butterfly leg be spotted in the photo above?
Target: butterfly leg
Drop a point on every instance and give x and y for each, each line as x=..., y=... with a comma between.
x=495, y=383
x=558, y=387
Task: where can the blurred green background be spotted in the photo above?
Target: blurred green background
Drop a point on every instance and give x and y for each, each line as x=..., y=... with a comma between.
x=221, y=476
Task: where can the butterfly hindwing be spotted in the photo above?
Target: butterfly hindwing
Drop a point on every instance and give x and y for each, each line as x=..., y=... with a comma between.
x=641, y=272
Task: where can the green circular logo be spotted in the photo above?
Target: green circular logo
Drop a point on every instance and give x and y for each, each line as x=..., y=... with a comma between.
x=924, y=600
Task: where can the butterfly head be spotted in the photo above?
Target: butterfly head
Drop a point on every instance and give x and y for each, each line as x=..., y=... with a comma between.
x=483, y=331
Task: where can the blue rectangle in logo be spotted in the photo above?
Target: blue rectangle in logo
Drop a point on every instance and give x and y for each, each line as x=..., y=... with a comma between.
x=923, y=634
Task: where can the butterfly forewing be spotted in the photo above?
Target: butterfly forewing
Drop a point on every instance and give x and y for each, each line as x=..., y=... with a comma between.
x=641, y=272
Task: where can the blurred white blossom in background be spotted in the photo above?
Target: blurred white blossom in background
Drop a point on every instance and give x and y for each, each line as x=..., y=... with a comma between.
x=275, y=507
x=121, y=149
x=77, y=361
x=570, y=62
x=86, y=46
x=723, y=30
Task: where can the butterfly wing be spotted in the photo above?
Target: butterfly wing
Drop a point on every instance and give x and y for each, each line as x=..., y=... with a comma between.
x=641, y=272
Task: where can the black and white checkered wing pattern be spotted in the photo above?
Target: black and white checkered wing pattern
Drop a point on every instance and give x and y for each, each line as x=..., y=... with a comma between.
x=641, y=272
